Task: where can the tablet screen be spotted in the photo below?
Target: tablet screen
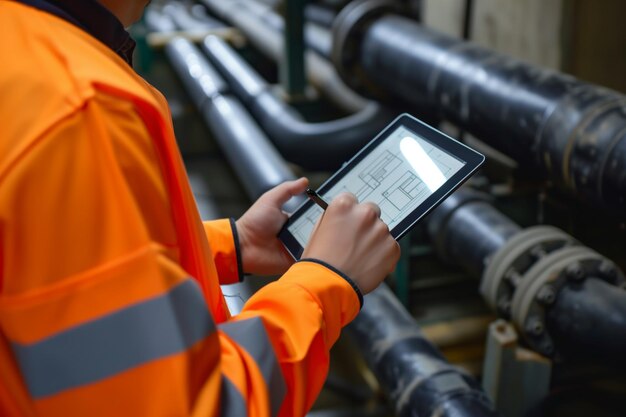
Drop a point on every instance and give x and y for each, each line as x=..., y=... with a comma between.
x=398, y=175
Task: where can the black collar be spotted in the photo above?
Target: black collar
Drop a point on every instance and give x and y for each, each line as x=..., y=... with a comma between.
x=93, y=18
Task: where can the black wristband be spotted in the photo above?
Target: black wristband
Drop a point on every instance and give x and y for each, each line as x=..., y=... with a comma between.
x=341, y=274
x=233, y=226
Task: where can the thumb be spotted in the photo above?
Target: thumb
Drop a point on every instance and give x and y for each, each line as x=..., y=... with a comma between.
x=279, y=195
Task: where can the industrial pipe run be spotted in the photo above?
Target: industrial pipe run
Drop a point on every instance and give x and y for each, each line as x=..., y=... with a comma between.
x=572, y=131
x=257, y=163
x=565, y=299
x=320, y=72
x=317, y=146
x=318, y=38
x=419, y=380
x=412, y=370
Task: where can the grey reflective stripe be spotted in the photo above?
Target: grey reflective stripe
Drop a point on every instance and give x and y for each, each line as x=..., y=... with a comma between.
x=232, y=403
x=250, y=334
x=100, y=348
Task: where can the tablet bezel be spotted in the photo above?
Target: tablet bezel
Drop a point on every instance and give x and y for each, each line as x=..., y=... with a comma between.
x=473, y=160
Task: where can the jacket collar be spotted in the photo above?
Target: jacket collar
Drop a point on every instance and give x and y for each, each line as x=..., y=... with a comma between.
x=93, y=18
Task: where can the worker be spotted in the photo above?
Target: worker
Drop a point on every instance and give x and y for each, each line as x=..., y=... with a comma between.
x=110, y=300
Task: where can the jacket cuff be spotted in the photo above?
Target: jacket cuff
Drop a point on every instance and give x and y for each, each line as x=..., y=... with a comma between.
x=355, y=287
x=224, y=242
x=337, y=299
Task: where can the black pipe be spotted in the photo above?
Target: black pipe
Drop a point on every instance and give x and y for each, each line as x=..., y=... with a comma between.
x=317, y=37
x=320, y=72
x=574, y=132
x=413, y=372
x=467, y=229
x=184, y=19
x=584, y=319
x=156, y=21
x=587, y=319
x=199, y=12
x=320, y=15
x=317, y=146
x=334, y=4
x=252, y=157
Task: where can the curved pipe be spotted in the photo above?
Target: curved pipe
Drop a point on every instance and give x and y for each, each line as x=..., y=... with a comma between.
x=572, y=131
x=585, y=317
x=415, y=374
x=317, y=146
x=320, y=72
x=257, y=164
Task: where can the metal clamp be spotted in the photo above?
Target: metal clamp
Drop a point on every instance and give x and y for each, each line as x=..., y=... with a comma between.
x=541, y=283
x=506, y=267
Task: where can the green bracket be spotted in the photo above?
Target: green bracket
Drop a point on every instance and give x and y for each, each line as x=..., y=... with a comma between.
x=292, y=70
x=402, y=274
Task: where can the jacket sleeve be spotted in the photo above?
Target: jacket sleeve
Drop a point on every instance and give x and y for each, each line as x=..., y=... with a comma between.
x=98, y=318
x=224, y=242
x=301, y=316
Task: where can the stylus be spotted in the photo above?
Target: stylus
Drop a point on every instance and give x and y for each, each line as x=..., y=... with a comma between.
x=313, y=195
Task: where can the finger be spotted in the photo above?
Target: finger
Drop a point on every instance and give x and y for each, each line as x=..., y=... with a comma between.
x=278, y=195
x=344, y=200
x=374, y=207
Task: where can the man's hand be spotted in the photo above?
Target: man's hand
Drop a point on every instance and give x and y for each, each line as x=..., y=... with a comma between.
x=352, y=238
x=261, y=251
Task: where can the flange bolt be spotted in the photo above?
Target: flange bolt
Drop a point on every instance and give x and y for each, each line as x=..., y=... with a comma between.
x=535, y=327
x=504, y=305
x=575, y=272
x=546, y=295
x=607, y=269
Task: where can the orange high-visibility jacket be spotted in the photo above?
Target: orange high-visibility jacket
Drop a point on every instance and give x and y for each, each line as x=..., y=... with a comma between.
x=110, y=302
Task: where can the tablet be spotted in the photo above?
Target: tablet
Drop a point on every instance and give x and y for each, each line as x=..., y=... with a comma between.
x=407, y=169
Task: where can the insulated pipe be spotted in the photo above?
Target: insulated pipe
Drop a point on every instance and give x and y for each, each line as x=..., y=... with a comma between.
x=411, y=369
x=572, y=131
x=257, y=164
x=320, y=72
x=466, y=229
x=585, y=318
x=317, y=146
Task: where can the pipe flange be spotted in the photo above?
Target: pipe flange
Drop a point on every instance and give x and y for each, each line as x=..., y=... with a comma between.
x=540, y=285
x=347, y=30
x=513, y=259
